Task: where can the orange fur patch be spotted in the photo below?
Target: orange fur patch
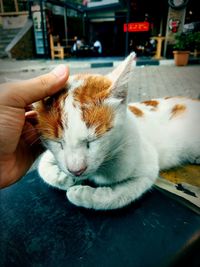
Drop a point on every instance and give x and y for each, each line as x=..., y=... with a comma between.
x=100, y=117
x=90, y=96
x=152, y=103
x=94, y=90
x=177, y=110
x=50, y=116
x=138, y=112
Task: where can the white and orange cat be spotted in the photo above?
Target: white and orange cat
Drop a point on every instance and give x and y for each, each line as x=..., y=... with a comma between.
x=91, y=134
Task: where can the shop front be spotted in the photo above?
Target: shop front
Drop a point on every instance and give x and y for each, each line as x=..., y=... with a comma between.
x=129, y=26
x=57, y=20
x=146, y=27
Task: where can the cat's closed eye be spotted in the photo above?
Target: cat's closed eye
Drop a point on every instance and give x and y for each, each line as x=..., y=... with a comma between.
x=88, y=144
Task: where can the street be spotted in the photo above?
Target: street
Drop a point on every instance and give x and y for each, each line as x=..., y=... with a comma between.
x=146, y=82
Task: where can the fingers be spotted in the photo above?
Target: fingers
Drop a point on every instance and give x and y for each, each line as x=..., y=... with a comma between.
x=30, y=114
x=23, y=93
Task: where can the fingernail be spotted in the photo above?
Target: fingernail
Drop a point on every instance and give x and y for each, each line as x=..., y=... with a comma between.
x=59, y=71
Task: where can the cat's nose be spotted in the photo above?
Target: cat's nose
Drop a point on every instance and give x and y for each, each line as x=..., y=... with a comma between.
x=78, y=172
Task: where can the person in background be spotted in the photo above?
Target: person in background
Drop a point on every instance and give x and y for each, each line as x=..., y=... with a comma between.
x=77, y=45
x=97, y=47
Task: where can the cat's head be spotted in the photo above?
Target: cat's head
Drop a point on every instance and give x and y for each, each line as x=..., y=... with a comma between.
x=82, y=124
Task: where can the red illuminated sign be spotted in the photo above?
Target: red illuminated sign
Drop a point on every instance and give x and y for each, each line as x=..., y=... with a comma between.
x=137, y=26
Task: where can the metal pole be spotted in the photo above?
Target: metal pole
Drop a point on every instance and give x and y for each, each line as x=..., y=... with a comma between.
x=166, y=32
x=161, y=27
x=1, y=4
x=16, y=6
x=83, y=23
x=65, y=26
x=127, y=33
x=29, y=9
x=43, y=27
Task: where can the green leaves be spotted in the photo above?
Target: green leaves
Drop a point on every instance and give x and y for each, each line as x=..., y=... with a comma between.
x=187, y=41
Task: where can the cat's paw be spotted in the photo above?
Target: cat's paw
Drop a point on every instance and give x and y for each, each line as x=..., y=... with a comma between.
x=81, y=196
x=52, y=174
x=100, y=198
x=64, y=182
x=57, y=178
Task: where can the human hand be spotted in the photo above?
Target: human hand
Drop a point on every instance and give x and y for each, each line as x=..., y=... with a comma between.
x=17, y=134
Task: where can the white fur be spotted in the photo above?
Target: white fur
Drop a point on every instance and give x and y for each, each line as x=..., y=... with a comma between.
x=125, y=161
x=74, y=83
x=176, y=140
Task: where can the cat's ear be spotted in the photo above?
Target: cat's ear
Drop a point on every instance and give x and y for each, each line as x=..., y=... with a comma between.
x=120, y=77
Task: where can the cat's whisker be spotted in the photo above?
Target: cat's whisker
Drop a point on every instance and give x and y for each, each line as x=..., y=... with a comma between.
x=27, y=131
x=114, y=153
x=35, y=141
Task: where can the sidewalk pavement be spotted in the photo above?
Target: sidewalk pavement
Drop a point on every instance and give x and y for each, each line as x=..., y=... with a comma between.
x=146, y=82
x=12, y=65
x=7, y=65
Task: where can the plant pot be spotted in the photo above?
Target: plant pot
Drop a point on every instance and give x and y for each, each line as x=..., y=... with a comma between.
x=181, y=57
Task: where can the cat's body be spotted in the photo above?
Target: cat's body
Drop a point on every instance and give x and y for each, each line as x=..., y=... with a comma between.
x=91, y=134
x=172, y=126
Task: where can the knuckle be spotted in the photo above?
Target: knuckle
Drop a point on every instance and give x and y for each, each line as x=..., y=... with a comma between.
x=44, y=83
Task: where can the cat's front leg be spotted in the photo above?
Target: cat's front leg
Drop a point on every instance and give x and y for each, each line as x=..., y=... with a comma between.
x=51, y=173
x=113, y=197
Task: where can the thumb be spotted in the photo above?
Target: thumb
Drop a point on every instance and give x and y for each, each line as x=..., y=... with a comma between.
x=20, y=94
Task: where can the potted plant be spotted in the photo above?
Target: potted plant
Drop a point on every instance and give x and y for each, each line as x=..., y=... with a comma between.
x=194, y=42
x=181, y=49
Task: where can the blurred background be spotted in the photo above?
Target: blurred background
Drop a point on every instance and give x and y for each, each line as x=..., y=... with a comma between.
x=86, y=28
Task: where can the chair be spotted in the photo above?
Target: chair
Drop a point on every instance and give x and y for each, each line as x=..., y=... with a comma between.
x=57, y=51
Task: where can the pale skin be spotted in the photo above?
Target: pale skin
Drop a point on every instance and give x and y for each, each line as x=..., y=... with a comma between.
x=18, y=148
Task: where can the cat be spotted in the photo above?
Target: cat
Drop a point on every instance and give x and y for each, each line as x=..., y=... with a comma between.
x=92, y=134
